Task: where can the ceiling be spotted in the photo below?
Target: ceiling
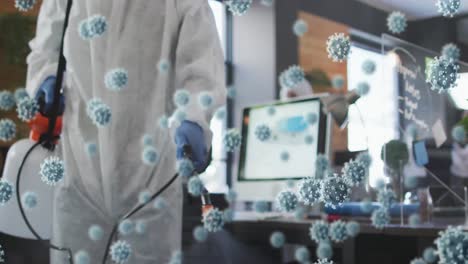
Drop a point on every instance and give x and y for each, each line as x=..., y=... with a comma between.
x=414, y=9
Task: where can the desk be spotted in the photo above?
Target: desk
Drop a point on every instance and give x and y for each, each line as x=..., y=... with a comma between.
x=393, y=245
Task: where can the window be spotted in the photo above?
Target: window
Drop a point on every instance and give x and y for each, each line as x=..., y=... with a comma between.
x=373, y=119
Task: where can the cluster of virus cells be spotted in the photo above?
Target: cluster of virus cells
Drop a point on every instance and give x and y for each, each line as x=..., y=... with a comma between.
x=99, y=113
x=92, y=27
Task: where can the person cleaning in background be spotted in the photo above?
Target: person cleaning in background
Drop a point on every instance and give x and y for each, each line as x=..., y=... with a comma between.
x=125, y=62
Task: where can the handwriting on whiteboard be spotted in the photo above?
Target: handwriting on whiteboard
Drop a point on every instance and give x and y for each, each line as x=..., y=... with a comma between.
x=411, y=98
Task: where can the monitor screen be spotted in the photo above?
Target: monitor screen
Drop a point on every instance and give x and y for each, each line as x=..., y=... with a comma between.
x=281, y=141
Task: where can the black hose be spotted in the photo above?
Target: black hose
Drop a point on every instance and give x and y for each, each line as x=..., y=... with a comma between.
x=23, y=214
x=134, y=211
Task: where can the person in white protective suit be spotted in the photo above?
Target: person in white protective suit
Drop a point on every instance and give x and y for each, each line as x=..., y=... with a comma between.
x=139, y=34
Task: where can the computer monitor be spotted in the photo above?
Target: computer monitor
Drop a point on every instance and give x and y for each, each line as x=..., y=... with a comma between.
x=299, y=131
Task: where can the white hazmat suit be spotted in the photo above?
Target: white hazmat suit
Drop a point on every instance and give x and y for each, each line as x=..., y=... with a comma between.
x=99, y=190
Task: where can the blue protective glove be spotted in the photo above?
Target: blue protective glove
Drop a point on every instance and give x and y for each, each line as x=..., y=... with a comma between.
x=191, y=134
x=46, y=91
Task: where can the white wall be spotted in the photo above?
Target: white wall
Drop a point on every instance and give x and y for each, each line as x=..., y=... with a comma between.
x=254, y=59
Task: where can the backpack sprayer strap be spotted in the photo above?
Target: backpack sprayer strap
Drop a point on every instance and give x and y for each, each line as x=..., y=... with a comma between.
x=48, y=140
